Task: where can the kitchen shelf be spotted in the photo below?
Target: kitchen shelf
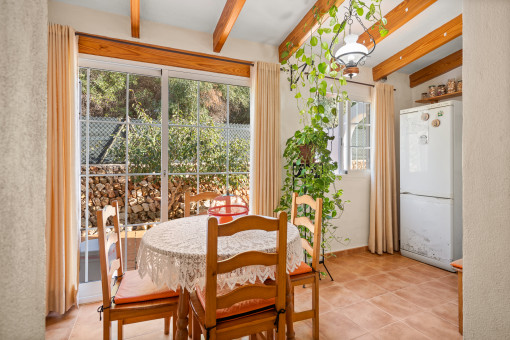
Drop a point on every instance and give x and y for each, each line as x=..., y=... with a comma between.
x=436, y=99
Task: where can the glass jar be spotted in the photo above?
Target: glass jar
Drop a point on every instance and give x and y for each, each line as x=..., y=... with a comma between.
x=441, y=90
x=451, y=86
x=459, y=86
x=432, y=91
x=424, y=95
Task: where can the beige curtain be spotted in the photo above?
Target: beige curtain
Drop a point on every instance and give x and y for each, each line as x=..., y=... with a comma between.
x=62, y=251
x=383, y=196
x=265, y=169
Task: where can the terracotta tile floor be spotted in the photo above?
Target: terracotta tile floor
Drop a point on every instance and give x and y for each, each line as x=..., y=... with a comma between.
x=372, y=297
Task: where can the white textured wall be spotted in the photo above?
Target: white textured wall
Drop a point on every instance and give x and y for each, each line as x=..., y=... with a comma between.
x=87, y=20
x=416, y=92
x=486, y=169
x=23, y=60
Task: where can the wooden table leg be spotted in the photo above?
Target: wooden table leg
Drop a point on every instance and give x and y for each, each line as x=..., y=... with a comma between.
x=461, y=318
x=182, y=315
x=289, y=311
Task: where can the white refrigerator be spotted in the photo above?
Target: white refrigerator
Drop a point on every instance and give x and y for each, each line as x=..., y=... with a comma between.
x=431, y=183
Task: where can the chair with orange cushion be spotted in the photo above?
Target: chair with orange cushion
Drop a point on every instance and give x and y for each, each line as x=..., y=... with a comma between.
x=305, y=274
x=203, y=196
x=135, y=299
x=247, y=309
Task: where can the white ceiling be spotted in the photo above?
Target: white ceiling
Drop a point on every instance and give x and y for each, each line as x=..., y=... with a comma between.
x=270, y=21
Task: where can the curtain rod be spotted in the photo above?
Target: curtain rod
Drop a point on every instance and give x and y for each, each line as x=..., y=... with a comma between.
x=192, y=54
x=349, y=81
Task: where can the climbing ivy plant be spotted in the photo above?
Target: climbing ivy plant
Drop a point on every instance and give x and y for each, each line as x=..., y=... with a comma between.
x=317, y=79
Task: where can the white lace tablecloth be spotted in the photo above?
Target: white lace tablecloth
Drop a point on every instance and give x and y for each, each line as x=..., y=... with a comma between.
x=174, y=253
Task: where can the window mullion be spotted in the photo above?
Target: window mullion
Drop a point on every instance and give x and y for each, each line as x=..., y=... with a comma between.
x=87, y=176
x=164, y=146
x=198, y=137
x=126, y=201
x=228, y=137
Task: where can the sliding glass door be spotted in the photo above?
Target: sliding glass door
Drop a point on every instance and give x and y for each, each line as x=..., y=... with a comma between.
x=145, y=160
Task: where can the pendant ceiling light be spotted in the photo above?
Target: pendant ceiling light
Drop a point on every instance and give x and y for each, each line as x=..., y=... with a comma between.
x=352, y=54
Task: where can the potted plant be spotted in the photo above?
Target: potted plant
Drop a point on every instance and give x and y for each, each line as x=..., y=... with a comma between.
x=317, y=77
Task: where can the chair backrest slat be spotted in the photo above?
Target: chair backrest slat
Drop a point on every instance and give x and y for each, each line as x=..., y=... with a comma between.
x=188, y=199
x=315, y=228
x=105, y=242
x=246, y=293
x=305, y=221
x=247, y=223
x=249, y=258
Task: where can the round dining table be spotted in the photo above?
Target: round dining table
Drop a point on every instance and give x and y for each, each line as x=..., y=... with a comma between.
x=174, y=253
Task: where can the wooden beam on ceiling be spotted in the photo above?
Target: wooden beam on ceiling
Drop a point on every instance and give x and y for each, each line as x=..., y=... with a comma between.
x=226, y=22
x=396, y=18
x=306, y=26
x=442, y=66
x=135, y=18
x=418, y=49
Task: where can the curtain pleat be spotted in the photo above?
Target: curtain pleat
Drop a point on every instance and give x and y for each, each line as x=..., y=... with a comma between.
x=383, y=235
x=62, y=253
x=265, y=169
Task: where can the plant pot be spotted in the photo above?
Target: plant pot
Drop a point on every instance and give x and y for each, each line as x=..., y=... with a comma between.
x=307, y=155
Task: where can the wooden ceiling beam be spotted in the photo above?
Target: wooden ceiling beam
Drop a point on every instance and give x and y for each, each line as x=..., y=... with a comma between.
x=396, y=18
x=226, y=22
x=418, y=49
x=438, y=68
x=135, y=18
x=306, y=26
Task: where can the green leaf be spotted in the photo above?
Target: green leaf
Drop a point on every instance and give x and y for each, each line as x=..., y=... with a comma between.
x=325, y=120
x=284, y=54
x=320, y=108
x=313, y=90
x=383, y=32
x=320, y=31
x=324, y=45
x=384, y=21
x=298, y=95
x=313, y=41
x=322, y=67
x=332, y=11
x=360, y=11
x=336, y=29
x=300, y=52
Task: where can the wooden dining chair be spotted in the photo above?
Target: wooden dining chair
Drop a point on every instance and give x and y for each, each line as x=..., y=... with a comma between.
x=203, y=196
x=134, y=299
x=247, y=309
x=305, y=274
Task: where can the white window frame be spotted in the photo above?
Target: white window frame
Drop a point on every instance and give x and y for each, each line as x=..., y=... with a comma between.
x=90, y=290
x=345, y=148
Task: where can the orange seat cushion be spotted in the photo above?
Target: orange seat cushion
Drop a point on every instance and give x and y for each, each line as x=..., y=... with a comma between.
x=135, y=289
x=237, y=308
x=457, y=264
x=302, y=269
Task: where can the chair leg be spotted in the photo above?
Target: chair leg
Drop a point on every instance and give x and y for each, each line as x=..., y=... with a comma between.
x=174, y=324
x=315, y=307
x=270, y=334
x=106, y=326
x=167, y=325
x=190, y=323
x=119, y=324
x=196, y=328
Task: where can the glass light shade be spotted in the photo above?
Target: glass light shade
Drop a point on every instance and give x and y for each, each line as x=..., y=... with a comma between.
x=351, y=53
